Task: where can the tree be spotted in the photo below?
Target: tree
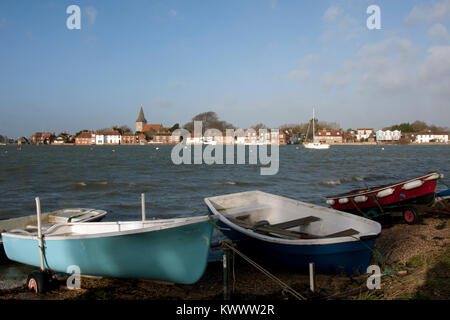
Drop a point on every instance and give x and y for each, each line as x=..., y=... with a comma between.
x=124, y=129
x=259, y=126
x=209, y=120
x=417, y=126
x=174, y=127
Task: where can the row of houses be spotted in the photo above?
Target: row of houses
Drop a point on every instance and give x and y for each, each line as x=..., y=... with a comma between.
x=380, y=136
x=166, y=138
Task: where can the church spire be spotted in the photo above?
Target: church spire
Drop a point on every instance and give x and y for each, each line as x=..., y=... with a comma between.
x=141, y=117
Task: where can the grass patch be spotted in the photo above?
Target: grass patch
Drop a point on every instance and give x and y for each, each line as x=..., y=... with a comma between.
x=367, y=296
x=416, y=296
x=445, y=257
x=415, y=261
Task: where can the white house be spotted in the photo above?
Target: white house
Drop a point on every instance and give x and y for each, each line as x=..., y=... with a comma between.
x=99, y=139
x=363, y=133
x=112, y=137
x=427, y=137
x=388, y=135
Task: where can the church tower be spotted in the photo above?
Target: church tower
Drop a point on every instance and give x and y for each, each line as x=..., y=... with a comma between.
x=141, y=121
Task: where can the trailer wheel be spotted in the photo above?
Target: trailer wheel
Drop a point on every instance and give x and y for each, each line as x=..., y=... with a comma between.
x=37, y=281
x=410, y=215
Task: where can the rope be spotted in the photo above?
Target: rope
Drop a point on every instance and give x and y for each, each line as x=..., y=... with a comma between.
x=267, y=273
x=378, y=256
x=257, y=266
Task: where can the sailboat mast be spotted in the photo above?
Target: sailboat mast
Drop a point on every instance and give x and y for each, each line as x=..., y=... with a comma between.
x=313, y=126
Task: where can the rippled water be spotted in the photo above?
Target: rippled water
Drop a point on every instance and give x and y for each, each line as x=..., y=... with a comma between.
x=66, y=176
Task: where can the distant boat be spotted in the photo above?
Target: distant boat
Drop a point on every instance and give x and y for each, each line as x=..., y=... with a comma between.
x=293, y=233
x=29, y=223
x=174, y=250
x=315, y=145
x=401, y=196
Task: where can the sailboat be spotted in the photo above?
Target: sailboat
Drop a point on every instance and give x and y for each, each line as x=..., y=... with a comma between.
x=315, y=145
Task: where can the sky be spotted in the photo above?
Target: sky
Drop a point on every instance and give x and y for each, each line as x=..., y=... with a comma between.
x=250, y=61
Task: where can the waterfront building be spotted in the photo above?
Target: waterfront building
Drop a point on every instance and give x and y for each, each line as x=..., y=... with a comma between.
x=142, y=139
x=142, y=126
x=42, y=138
x=329, y=136
x=364, y=133
x=112, y=137
x=85, y=138
x=22, y=140
x=99, y=139
x=166, y=138
x=129, y=138
x=388, y=135
x=430, y=137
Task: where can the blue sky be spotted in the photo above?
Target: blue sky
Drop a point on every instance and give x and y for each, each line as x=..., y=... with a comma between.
x=250, y=61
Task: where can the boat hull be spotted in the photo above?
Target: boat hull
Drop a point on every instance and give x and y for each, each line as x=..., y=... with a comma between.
x=176, y=254
x=399, y=197
x=346, y=257
x=317, y=146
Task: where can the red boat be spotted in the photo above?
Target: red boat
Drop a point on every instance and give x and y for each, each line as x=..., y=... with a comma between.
x=401, y=196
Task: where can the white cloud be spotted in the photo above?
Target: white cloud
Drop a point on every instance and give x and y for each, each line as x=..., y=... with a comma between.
x=340, y=24
x=173, y=12
x=91, y=14
x=434, y=73
x=393, y=68
x=302, y=73
x=439, y=32
x=332, y=13
x=273, y=3
x=429, y=12
x=338, y=78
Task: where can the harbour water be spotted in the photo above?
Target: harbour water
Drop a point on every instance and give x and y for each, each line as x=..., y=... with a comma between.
x=113, y=177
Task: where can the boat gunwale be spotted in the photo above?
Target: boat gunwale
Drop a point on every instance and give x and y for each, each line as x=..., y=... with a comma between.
x=377, y=188
x=162, y=226
x=296, y=242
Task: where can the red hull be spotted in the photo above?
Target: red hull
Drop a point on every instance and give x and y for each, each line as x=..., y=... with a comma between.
x=387, y=195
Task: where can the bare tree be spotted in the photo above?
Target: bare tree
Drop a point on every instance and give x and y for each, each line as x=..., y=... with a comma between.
x=209, y=120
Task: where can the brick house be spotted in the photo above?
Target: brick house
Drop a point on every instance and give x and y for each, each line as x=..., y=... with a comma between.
x=84, y=139
x=129, y=138
x=329, y=136
x=42, y=138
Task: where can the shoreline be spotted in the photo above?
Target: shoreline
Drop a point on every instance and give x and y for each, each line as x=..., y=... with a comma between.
x=162, y=144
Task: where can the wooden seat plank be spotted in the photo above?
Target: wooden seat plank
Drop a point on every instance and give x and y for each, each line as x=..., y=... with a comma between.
x=295, y=223
x=344, y=233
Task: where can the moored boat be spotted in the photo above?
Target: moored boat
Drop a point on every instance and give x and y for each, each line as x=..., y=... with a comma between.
x=174, y=250
x=400, y=195
x=29, y=223
x=291, y=233
x=314, y=144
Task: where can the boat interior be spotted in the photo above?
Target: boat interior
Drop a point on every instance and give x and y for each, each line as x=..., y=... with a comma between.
x=289, y=219
x=87, y=228
x=29, y=223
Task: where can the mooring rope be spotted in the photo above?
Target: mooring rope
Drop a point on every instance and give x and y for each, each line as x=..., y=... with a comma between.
x=253, y=263
x=267, y=273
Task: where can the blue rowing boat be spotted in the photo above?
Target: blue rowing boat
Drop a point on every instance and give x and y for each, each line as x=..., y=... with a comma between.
x=291, y=233
x=173, y=250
